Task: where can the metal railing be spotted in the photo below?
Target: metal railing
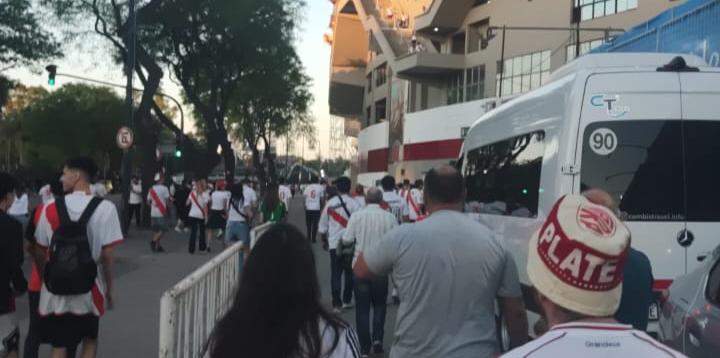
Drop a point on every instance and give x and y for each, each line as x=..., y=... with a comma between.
x=189, y=310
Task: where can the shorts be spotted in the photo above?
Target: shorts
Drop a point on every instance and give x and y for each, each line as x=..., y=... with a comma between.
x=159, y=224
x=9, y=334
x=238, y=231
x=68, y=330
x=216, y=220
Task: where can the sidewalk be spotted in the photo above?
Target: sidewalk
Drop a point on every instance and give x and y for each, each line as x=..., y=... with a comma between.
x=141, y=277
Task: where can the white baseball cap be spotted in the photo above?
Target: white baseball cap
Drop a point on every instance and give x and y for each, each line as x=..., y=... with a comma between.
x=577, y=257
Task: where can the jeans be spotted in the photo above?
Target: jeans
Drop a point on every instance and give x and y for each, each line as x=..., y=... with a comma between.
x=338, y=266
x=370, y=293
x=134, y=211
x=312, y=220
x=32, y=340
x=195, y=225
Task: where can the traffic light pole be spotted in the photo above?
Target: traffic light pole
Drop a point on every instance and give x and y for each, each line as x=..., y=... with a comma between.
x=127, y=156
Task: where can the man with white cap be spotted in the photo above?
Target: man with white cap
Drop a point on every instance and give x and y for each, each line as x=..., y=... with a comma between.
x=576, y=262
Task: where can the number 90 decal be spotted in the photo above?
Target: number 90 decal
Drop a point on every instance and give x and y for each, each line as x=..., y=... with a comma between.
x=603, y=141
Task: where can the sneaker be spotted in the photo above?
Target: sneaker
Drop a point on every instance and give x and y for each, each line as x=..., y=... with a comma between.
x=378, y=347
x=346, y=306
x=160, y=248
x=153, y=246
x=178, y=229
x=219, y=235
x=186, y=230
x=337, y=310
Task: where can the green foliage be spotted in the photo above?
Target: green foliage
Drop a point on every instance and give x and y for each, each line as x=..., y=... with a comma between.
x=22, y=38
x=75, y=120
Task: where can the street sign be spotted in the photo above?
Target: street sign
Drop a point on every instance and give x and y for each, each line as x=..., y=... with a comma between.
x=125, y=138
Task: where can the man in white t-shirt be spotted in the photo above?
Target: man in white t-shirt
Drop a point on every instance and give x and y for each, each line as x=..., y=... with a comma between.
x=159, y=200
x=198, y=201
x=333, y=222
x=135, y=201
x=251, y=197
x=575, y=262
x=69, y=320
x=285, y=193
x=314, y=201
x=218, y=210
x=393, y=202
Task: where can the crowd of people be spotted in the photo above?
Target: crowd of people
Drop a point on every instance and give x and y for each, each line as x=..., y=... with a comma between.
x=452, y=275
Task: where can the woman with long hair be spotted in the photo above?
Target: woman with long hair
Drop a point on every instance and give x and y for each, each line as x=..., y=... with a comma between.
x=272, y=208
x=238, y=222
x=277, y=311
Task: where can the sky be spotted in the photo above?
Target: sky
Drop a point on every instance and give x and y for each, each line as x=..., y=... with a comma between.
x=89, y=58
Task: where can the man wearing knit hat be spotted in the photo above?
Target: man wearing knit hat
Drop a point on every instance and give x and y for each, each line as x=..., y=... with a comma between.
x=576, y=262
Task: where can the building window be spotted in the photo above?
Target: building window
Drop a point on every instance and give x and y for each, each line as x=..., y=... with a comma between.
x=369, y=82
x=585, y=47
x=380, y=111
x=503, y=178
x=455, y=88
x=592, y=9
x=458, y=44
x=368, y=116
x=523, y=73
x=474, y=83
x=381, y=75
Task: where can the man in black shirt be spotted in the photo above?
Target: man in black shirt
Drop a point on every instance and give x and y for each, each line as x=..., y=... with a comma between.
x=12, y=281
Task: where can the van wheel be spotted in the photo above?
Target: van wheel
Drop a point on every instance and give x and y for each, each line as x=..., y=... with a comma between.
x=503, y=337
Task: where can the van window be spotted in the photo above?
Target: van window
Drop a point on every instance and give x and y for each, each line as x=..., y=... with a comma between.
x=641, y=163
x=503, y=178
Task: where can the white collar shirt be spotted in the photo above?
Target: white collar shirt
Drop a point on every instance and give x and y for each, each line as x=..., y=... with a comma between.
x=593, y=340
x=367, y=227
x=329, y=224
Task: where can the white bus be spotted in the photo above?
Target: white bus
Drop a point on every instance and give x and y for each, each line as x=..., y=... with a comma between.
x=643, y=127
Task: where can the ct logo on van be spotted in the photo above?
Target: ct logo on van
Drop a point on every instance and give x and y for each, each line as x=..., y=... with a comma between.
x=611, y=103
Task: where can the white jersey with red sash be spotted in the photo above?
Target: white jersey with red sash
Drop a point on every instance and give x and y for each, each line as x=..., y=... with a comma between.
x=415, y=211
x=198, y=205
x=158, y=197
x=593, y=340
x=396, y=205
x=334, y=218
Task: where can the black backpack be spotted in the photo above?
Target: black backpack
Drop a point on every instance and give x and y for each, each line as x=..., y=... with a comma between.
x=71, y=269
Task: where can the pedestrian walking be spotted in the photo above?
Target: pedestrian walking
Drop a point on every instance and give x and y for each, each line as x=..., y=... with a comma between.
x=576, y=265
x=416, y=205
x=333, y=222
x=273, y=209
x=46, y=194
x=181, y=194
x=359, y=195
x=135, y=201
x=393, y=202
x=366, y=228
x=285, y=193
x=76, y=289
x=238, y=227
x=637, y=293
x=19, y=209
x=219, y=200
x=159, y=200
x=197, y=201
x=12, y=280
x=277, y=310
x=450, y=270
x=314, y=201
x=251, y=197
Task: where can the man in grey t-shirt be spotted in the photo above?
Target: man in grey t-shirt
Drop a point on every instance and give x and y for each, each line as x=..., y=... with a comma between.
x=449, y=270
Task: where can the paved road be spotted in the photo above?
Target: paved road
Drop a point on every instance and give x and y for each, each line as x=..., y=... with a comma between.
x=131, y=329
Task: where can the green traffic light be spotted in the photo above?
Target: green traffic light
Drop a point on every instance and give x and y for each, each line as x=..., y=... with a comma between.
x=178, y=154
x=51, y=82
x=525, y=191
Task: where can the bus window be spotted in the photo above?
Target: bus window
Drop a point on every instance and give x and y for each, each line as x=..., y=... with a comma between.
x=503, y=178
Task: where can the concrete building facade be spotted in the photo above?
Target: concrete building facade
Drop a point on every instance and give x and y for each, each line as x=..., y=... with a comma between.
x=413, y=75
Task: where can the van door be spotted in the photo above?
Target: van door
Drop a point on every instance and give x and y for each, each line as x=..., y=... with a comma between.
x=630, y=144
x=701, y=135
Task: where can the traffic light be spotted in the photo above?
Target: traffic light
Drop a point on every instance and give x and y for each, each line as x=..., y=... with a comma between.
x=178, y=152
x=52, y=72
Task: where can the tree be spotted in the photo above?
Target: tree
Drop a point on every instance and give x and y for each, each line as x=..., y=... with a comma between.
x=22, y=39
x=74, y=120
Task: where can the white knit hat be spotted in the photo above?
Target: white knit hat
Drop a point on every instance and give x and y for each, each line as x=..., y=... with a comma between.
x=577, y=257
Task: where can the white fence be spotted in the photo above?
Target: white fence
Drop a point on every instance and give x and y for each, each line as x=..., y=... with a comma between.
x=189, y=311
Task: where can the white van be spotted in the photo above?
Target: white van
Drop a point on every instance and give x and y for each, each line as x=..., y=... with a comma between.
x=647, y=134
